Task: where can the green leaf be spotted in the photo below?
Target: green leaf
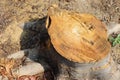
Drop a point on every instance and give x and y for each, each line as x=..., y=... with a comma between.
x=111, y=39
x=116, y=40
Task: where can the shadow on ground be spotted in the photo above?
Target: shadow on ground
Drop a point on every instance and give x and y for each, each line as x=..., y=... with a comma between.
x=35, y=36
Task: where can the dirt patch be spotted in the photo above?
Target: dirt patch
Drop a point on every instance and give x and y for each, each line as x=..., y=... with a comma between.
x=14, y=14
x=22, y=22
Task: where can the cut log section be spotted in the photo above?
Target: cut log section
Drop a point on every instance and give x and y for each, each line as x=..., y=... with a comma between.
x=78, y=37
x=23, y=65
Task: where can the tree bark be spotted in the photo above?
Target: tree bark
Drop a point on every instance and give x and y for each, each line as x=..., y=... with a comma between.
x=104, y=69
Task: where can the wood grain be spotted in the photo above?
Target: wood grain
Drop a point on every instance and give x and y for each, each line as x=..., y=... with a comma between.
x=78, y=37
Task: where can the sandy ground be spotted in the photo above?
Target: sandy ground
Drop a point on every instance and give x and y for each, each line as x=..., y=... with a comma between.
x=14, y=14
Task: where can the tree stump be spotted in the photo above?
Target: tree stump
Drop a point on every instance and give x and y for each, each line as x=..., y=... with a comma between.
x=64, y=69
